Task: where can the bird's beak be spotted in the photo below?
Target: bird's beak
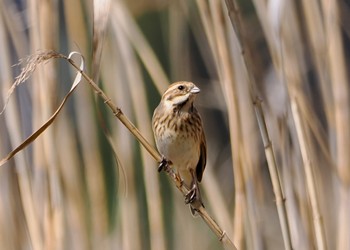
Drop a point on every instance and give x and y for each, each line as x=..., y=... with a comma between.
x=195, y=90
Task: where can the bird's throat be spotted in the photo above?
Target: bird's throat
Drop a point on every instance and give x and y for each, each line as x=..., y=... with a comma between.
x=186, y=106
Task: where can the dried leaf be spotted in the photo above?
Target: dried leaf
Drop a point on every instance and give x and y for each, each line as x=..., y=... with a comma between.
x=33, y=62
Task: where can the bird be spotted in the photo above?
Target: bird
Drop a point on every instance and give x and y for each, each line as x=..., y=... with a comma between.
x=180, y=138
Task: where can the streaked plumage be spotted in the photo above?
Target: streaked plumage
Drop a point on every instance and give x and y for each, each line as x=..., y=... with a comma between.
x=179, y=134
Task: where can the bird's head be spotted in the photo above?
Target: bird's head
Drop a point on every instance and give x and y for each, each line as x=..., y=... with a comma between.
x=180, y=94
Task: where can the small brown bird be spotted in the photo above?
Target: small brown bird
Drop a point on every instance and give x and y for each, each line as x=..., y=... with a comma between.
x=179, y=136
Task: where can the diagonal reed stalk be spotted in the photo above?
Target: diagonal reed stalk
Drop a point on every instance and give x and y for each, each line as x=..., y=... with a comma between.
x=221, y=235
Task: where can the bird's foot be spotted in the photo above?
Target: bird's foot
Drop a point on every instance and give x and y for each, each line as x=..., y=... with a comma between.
x=192, y=195
x=193, y=198
x=163, y=164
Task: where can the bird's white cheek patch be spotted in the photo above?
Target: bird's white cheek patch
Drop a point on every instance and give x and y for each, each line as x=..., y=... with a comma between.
x=180, y=99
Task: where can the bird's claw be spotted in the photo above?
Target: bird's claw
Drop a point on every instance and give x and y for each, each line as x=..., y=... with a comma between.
x=163, y=164
x=192, y=195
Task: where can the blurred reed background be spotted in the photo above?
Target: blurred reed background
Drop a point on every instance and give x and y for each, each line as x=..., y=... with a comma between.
x=68, y=191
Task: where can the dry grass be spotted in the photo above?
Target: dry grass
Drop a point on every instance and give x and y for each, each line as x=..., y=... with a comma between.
x=275, y=104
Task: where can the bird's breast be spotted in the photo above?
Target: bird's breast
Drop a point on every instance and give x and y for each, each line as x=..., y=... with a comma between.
x=179, y=147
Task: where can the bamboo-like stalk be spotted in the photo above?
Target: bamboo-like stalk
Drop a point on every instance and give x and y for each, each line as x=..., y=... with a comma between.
x=298, y=232
x=275, y=178
x=310, y=179
x=234, y=15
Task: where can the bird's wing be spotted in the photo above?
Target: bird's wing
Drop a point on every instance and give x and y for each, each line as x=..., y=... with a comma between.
x=202, y=158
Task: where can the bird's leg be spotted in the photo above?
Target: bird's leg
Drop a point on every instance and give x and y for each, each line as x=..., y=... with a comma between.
x=163, y=164
x=194, y=193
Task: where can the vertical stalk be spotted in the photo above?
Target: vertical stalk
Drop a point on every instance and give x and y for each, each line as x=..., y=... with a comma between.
x=310, y=179
x=233, y=13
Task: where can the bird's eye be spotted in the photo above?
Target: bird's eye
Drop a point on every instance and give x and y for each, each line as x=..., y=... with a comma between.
x=181, y=87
